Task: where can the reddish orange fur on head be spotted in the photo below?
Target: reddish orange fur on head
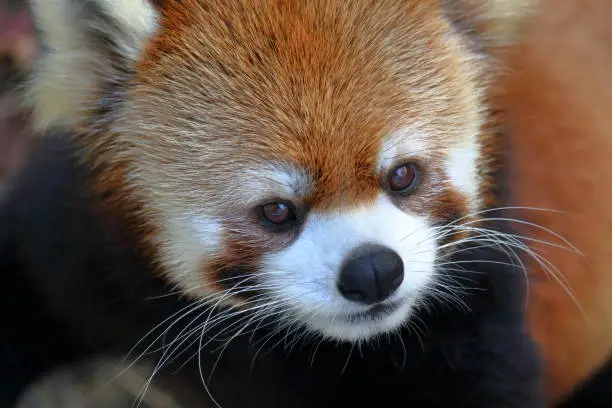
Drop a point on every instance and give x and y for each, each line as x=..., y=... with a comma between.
x=303, y=85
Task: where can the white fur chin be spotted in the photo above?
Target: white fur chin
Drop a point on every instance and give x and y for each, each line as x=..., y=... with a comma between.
x=342, y=330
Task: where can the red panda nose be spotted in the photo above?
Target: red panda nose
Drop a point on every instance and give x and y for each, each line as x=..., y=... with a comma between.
x=371, y=274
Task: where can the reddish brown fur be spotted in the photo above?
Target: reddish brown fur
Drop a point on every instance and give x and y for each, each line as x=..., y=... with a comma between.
x=559, y=110
x=309, y=88
x=243, y=250
x=239, y=259
x=448, y=205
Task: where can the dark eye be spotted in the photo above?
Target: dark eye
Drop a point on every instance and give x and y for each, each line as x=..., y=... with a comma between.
x=402, y=179
x=278, y=213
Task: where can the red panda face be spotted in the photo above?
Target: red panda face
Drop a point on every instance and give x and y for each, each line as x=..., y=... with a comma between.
x=298, y=158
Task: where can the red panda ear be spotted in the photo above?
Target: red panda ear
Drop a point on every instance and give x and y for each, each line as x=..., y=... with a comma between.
x=84, y=46
x=158, y=3
x=491, y=23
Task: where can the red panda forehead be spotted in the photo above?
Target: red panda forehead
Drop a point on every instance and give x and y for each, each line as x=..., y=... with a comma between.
x=180, y=13
x=318, y=84
x=343, y=170
x=361, y=51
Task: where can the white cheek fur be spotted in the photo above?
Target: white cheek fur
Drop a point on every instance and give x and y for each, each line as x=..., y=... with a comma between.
x=187, y=239
x=304, y=275
x=462, y=169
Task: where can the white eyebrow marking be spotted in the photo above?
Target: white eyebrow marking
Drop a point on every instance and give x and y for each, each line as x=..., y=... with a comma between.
x=278, y=180
x=410, y=140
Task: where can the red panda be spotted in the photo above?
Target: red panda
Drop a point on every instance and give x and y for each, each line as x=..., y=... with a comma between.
x=558, y=107
x=310, y=178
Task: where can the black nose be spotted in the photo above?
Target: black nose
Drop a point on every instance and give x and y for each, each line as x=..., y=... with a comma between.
x=371, y=274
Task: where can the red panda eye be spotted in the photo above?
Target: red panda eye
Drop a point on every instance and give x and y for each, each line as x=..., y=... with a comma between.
x=278, y=212
x=402, y=179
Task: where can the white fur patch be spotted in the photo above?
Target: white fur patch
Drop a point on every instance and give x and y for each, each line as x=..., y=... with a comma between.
x=462, y=169
x=304, y=275
x=277, y=181
x=136, y=17
x=403, y=144
x=187, y=240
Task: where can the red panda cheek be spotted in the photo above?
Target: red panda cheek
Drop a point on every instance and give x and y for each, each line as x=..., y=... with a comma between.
x=451, y=207
x=243, y=247
x=234, y=269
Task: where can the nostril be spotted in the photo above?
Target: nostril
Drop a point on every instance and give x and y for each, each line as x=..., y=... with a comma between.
x=397, y=281
x=371, y=274
x=389, y=269
x=354, y=295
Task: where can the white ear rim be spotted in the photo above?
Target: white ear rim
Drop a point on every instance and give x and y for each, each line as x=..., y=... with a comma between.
x=496, y=23
x=71, y=66
x=136, y=18
x=508, y=18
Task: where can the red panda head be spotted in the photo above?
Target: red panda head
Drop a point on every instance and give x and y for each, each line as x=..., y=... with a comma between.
x=300, y=157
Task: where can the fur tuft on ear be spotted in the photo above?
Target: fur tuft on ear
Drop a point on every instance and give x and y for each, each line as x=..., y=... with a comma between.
x=492, y=23
x=87, y=46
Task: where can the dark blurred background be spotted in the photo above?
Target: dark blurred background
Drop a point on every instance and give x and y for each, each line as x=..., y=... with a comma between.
x=17, y=50
x=90, y=385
